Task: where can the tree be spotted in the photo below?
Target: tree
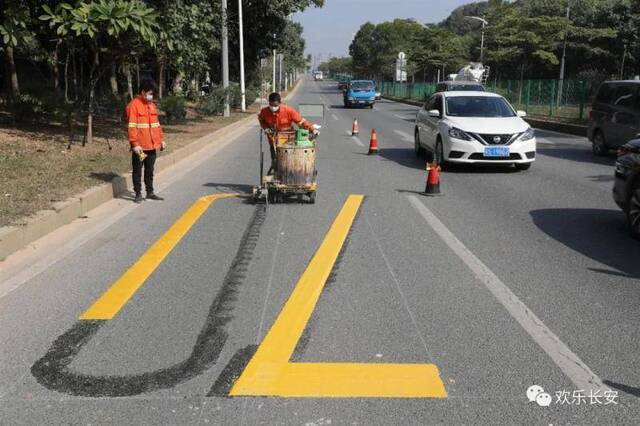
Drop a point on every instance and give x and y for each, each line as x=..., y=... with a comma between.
x=106, y=27
x=13, y=31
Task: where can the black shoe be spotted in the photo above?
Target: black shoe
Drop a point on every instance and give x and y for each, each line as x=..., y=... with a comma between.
x=153, y=196
x=138, y=198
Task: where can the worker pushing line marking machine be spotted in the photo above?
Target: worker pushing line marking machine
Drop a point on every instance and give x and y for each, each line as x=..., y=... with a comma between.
x=293, y=153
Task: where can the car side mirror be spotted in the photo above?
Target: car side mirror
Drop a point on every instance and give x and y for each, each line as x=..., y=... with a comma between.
x=521, y=113
x=434, y=113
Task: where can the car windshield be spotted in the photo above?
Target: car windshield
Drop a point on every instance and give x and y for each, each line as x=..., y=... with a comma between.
x=478, y=106
x=362, y=85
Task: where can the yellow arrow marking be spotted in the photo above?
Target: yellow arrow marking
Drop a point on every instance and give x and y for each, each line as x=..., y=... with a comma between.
x=269, y=373
x=110, y=303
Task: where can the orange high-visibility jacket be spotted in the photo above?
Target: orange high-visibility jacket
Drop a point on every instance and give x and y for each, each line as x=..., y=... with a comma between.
x=283, y=119
x=144, y=127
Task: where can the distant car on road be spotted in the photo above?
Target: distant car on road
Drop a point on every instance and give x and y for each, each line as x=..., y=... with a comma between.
x=378, y=94
x=449, y=86
x=626, y=189
x=360, y=93
x=474, y=127
x=318, y=76
x=615, y=115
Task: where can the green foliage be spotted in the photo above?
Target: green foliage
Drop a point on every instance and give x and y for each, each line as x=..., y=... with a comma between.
x=213, y=103
x=337, y=66
x=174, y=108
x=26, y=108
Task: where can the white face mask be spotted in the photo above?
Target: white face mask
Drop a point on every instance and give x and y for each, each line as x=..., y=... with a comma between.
x=148, y=97
x=274, y=108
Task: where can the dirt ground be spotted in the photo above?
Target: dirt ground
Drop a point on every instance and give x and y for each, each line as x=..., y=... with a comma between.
x=38, y=169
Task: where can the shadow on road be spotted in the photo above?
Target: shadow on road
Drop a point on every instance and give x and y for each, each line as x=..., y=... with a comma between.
x=403, y=156
x=598, y=234
x=580, y=155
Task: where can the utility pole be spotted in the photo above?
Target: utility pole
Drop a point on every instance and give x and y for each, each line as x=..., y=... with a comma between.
x=273, y=85
x=225, y=58
x=243, y=95
x=280, y=58
x=564, y=55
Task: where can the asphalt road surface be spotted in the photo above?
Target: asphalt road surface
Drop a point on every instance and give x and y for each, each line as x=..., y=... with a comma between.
x=376, y=305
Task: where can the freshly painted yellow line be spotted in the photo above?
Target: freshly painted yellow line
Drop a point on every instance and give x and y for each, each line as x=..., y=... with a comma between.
x=269, y=373
x=110, y=303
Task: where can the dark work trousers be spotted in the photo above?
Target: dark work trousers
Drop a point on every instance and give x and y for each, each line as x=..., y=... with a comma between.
x=148, y=164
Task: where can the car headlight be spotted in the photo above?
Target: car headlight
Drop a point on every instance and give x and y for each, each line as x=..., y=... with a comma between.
x=456, y=133
x=350, y=98
x=373, y=98
x=528, y=135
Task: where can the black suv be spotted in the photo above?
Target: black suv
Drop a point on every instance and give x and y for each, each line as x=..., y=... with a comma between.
x=626, y=190
x=615, y=116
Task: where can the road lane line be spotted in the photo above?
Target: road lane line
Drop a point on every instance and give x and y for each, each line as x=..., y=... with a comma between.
x=269, y=373
x=570, y=364
x=404, y=135
x=110, y=303
x=335, y=117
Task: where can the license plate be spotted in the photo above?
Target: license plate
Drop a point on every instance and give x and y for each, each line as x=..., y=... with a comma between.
x=497, y=151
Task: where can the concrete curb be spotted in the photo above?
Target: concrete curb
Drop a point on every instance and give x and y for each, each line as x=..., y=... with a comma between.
x=30, y=229
x=14, y=238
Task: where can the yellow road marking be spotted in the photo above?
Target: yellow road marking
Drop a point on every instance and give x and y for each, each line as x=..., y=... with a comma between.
x=110, y=303
x=269, y=373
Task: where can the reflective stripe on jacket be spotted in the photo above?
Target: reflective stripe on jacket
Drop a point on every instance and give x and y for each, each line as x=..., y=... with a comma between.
x=144, y=128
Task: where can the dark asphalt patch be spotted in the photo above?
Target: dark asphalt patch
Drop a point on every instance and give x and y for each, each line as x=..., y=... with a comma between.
x=624, y=388
x=51, y=370
x=233, y=370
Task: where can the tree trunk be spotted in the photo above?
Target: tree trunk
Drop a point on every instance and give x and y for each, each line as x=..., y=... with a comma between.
x=56, y=67
x=92, y=88
x=127, y=71
x=11, y=75
x=75, y=77
x=113, y=80
x=137, y=75
x=161, y=66
x=177, y=83
x=66, y=78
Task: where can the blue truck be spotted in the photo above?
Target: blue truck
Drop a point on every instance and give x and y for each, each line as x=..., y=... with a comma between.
x=360, y=93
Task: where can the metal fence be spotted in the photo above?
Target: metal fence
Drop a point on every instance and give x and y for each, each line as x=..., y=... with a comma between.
x=563, y=100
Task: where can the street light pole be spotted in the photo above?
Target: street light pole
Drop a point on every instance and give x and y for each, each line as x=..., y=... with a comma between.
x=484, y=24
x=243, y=95
x=225, y=58
x=564, y=56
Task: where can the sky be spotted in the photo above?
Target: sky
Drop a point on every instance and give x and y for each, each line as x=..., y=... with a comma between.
x=330, y=29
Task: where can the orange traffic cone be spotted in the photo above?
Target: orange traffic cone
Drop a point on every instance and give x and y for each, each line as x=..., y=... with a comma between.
x=433, y=180
x=373, y=145
x=355, y=131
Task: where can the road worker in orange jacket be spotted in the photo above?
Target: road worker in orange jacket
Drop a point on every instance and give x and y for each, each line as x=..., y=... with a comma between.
x=145, y=137
x=278, y=117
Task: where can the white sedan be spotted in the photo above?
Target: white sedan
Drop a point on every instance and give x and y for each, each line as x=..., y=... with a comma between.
x=474, y=127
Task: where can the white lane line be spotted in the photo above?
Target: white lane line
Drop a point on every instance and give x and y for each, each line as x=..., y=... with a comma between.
x=335, y=117
x=570, y=364
x=357, y=140
x=402, y=117
x=404, y=135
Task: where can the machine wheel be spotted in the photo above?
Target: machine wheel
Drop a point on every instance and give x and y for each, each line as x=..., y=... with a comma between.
x=633, y=211
x=312, y=198
x=300, y=198
x=600, y=147
x=438, y=155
